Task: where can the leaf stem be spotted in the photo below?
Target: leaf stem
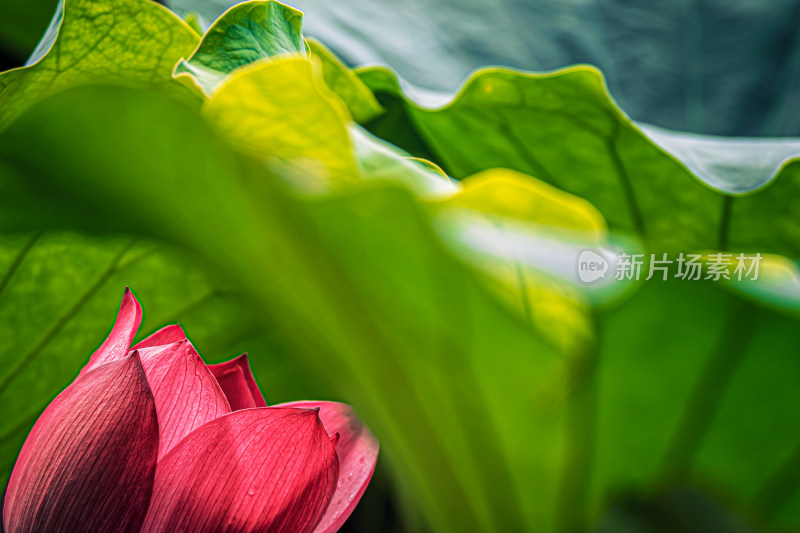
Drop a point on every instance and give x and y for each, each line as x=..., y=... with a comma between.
x=579, y=448
x=708, y=391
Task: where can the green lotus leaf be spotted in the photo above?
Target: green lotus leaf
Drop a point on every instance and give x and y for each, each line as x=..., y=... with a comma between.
x=359, y=99
x=674, y=191
x=249, y=32
x=135, y=42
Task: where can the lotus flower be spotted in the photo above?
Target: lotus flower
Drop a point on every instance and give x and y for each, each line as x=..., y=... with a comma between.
x=149, y=438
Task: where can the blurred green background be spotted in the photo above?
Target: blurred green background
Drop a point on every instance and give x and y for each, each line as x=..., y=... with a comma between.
x=683, y=417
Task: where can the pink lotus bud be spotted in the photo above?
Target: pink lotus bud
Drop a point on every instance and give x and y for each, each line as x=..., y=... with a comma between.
x=149, y=438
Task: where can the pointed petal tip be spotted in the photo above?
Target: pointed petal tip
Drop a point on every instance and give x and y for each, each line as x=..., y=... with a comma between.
x=310, y=414
x=133, y=362
x=128, y=298
x=118, y=342
x=357, y=450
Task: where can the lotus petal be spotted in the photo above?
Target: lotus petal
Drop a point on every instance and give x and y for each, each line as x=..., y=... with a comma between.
x=266, y=470
x=118, y=342
x=357, y=450
x=236, y=379
x=89, y=461
x=166, y=335
x=186, y=393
